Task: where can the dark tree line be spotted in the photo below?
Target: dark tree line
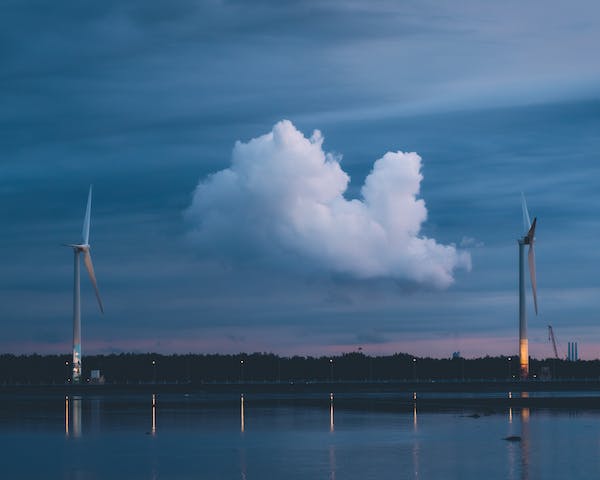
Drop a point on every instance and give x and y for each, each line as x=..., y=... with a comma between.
x=266, y=367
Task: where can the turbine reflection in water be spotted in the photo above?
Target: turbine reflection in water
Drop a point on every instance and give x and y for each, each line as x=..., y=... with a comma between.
x=67, y=415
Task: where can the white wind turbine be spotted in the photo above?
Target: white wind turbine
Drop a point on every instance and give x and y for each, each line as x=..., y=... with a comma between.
x=83, y=247
x=527, y=239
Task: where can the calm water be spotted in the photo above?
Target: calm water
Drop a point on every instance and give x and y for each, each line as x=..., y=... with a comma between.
x=225, y=437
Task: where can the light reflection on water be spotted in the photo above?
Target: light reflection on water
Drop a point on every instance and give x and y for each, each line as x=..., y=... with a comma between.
x=521, y=448
x=511, y=450
x=524, y=443
x=242, y=420
x=415, y=459
x=243, y=467
x=332, y=467
x=153, y=414
x=415, y=448
x=350, y=443
x=415, y=423
x=331, y=424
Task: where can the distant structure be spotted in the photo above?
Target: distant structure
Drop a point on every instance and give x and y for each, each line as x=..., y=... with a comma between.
x=96, y=377
x=552, y=339
x=527, y=239
x=83, y=247
x=573, y=354
x=455, y=355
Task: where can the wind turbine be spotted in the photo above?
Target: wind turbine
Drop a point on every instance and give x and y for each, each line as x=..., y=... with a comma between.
x=527, y=239
x=78, y=248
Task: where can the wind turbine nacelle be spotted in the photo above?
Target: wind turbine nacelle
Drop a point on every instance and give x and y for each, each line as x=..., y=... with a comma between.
x=79, y=247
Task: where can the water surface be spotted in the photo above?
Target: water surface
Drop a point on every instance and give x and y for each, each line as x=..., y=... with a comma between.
x=180, y=436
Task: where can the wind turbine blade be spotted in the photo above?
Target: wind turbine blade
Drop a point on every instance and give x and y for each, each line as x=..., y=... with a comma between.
x=526, y=220
x=531, y=231
x=531, y=258
x=87, y=258
x=85, y=234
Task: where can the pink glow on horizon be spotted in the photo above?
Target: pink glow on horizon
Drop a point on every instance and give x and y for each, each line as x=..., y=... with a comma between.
x=469, y=347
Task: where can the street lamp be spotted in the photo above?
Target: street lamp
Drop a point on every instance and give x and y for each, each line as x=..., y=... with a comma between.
x=67, y=369
x=242, y=371
x=509, y=368
x=331, y=369
x=415, y=369
x=154, y=371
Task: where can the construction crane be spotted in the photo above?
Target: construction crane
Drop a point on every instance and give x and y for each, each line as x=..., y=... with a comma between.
x=553, y=340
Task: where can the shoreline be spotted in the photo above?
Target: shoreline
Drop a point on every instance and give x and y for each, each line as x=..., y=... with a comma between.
x=482, y=396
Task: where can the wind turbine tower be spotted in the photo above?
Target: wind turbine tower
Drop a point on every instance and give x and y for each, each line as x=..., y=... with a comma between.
x=82, y=248
x=527, y=239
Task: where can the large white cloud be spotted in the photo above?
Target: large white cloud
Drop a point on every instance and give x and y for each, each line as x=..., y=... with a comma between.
x=282, y=201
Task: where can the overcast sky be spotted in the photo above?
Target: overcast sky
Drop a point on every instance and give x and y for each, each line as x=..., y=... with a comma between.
x=299, y=177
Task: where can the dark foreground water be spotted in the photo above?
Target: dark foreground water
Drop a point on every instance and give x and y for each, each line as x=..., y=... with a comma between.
x=228, y=437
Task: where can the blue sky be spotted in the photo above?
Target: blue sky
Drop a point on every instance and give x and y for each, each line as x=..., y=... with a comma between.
x=146, y=100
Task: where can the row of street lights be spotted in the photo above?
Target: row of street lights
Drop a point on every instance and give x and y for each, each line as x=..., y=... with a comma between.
x=331, y=363
x=414, y=364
